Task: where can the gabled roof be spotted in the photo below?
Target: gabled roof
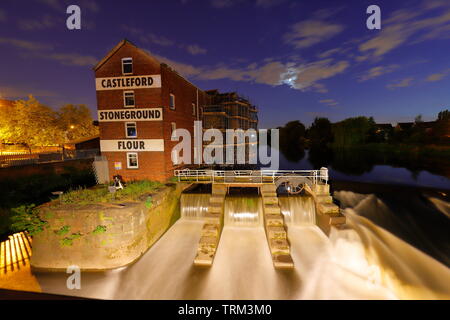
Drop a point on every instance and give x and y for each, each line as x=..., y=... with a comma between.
x=112, y=52
x=125, y=41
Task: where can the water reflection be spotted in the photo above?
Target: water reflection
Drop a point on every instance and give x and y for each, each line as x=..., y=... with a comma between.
x=372, y=166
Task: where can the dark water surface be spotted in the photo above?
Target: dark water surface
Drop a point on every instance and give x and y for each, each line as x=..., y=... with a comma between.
x=370, y=168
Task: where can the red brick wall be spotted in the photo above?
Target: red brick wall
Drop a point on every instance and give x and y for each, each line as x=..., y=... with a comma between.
x=152, y=165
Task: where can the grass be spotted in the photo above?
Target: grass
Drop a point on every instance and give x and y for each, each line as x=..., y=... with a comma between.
x=100, y=194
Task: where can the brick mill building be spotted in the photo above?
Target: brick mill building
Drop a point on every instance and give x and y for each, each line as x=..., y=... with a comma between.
x=140, y=102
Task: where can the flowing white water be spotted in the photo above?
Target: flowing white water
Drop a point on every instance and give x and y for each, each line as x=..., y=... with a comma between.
x=244, y=211
x=298, y=210
x=194, y=205
x=365, y=262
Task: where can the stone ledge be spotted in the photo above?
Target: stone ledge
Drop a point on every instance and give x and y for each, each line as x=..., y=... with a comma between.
x=282, y=261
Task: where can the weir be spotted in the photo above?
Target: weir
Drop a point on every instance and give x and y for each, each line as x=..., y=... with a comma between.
x=308, y=202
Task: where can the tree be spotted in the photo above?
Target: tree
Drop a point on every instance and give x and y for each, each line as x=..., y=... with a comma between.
x=292, y=140
x=30, y=123
x=353, y=131
x=441, y=129
x=75, y=122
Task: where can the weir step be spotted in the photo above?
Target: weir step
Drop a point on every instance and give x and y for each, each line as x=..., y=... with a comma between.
x=321, y=189
x=283, y=261
x=215, y=207
x=279, y=246
x=216, y=199
x=268, y=188
x=218, y=189
x=272, y=208
x=270, y=200
x=276, y=232
x=324, y=199
x=329, y=209
x=275, y=229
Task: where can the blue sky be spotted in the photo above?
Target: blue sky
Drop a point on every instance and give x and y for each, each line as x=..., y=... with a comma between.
x=293, y=59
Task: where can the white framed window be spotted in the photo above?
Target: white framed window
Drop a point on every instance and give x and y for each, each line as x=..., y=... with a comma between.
x=130, y=129
x=172, y=101
x=193, y=109
x=132, y=160
x=128, y=99
x=127, y=66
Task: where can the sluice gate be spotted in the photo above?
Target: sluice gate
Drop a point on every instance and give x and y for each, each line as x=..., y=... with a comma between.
x=308, y=202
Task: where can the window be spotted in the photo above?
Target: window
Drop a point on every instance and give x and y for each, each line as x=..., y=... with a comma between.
x=193, y=109
x=131, y=129
x=128, y=99
x=132, y=160
x=174, y=127
x=127, y=65
x=172, y=101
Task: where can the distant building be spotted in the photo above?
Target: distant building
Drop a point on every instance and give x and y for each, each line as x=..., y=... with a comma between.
x=229, y=111
x=384, y=129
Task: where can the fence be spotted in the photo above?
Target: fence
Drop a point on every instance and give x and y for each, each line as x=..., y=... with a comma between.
x=19, y=159
x=250, y=176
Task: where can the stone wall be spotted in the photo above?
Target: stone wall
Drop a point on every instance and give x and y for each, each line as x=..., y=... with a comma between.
x=103, y=236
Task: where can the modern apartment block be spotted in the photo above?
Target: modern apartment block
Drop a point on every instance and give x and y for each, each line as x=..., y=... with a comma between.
x=229, y=111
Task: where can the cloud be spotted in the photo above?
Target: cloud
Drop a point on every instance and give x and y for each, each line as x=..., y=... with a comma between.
x=45, y=22
x=72, y=59
x=23, y=44
x=329, y=102
x=44, y=51
x=306, y=33
x=195, y=49
x=375, y=72
x=148, y=37
x=301, y=76
x=400, y=84
x=437, y=76
x=430, y=21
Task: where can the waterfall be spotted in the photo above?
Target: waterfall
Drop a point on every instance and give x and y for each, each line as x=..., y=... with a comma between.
x=298, y=210
x=243, y=211
x=194, y=205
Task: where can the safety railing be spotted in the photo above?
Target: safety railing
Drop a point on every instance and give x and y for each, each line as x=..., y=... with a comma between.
x=249, y=176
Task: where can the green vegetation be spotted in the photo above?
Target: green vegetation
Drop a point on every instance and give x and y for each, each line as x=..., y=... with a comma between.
x=64, y=230
x=36, y=190
x=26, y=218
x=99, y=230
x=100, y=194
x=66, y=242
x=149, y=202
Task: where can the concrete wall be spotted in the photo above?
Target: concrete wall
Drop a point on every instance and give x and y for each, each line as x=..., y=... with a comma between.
x=130, y=231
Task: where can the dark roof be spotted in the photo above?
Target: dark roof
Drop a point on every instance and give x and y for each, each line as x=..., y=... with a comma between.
x=384, y=125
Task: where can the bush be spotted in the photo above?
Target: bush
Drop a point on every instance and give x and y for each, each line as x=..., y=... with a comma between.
x=26, y=218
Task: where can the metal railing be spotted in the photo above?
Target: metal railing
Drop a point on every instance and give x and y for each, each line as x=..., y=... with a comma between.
x=21, y=159
x=249, y=176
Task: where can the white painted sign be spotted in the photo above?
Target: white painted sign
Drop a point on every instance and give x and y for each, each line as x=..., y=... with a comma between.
x=132, y=145
x=128, y=82
x=147, y=114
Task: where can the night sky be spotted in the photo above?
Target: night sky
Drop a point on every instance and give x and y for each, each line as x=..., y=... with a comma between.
x=293, y=59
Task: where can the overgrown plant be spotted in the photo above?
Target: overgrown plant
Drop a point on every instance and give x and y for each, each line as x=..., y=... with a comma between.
x=26, y=218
